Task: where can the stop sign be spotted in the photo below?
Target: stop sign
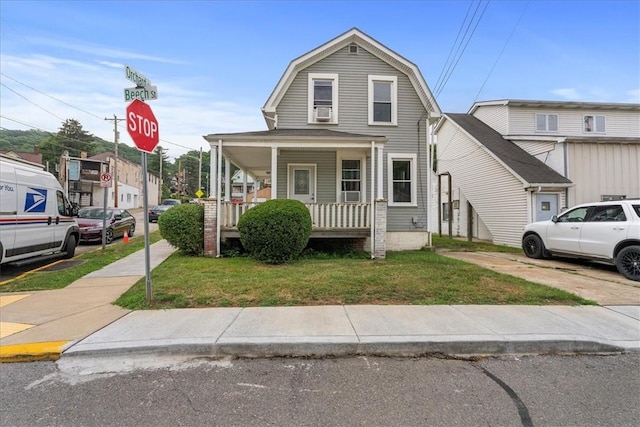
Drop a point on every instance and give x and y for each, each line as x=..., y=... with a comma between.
x=142, y=126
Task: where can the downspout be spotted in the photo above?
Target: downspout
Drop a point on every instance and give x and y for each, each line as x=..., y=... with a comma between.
x=372, y=220
x=219, y=191
x=429, y=138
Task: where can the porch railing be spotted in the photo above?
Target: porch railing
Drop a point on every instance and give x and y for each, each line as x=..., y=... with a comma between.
x=323, y=215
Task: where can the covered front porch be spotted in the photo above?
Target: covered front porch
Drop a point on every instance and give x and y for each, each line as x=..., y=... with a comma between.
x=337, y=175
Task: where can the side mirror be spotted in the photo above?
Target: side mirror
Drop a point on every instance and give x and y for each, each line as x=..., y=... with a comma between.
x=117, y=217
x=554, y=218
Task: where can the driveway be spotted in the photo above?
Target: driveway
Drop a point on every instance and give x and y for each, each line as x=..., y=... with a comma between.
x=606, y=287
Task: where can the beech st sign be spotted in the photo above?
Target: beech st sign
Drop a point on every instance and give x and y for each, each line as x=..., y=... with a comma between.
x=142, y=126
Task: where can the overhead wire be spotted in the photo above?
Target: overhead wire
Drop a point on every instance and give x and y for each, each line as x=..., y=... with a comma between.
x=75, y=107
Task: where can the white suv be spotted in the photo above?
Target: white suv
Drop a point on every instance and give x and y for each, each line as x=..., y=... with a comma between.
x=607, y=232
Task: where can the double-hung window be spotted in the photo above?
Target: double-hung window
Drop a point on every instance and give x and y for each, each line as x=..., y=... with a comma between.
x=383, y=100
x=323, y=98
x=546, y=122
x=351, y=180
x=402, y=182
x=593, y=124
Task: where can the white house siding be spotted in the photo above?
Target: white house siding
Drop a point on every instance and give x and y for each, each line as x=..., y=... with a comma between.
x=603, y=169
x=495, y=116
x=617, y=123
x=496, y=195
x=353, y=71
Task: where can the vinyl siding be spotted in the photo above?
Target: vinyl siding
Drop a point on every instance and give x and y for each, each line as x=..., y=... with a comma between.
x=598, y=169
x=495, y=116
x=325, y=162
x=618, y=123
x=496, y=195
x=353, y=71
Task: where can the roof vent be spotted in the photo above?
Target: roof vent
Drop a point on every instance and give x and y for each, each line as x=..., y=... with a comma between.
x=353, y=49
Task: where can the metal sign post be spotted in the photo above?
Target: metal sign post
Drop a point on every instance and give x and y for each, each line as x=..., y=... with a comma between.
x=105, y=183
x=147, y=263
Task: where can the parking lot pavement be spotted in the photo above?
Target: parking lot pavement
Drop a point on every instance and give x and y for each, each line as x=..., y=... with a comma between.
x=602, y=285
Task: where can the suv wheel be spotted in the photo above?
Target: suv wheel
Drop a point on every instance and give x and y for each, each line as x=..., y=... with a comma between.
x=533, y=246
x=628, y=262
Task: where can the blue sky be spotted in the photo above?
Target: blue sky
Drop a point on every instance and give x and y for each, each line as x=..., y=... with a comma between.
x=216, y=62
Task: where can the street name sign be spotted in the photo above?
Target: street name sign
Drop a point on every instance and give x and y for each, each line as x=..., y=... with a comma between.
x=142, y=126
x=147, y=93
x=136, y=77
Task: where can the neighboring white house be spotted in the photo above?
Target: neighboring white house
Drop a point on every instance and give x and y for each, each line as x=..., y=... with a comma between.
x=512, y=162
x=346, y=134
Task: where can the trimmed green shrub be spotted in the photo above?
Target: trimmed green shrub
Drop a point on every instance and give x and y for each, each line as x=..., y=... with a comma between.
x=183, y=227
x=276, y=231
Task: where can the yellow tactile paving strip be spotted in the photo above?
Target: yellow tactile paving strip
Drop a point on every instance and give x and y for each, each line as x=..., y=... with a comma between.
x=9, y=328
x=8, y=299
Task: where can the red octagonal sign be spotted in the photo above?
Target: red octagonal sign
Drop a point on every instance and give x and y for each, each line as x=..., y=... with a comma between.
x=142, y=126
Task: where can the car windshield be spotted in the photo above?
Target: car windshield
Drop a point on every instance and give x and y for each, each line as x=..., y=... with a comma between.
x=93, y=213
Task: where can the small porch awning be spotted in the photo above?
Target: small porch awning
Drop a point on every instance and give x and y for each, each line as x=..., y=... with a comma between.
x=252, y=151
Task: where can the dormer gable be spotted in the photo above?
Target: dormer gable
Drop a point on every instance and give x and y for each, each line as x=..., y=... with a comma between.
x=353, y=40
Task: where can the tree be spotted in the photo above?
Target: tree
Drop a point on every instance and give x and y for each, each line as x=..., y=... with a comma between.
x=71, y=138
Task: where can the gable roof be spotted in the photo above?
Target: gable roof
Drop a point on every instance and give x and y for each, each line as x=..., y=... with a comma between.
x=530, y=169
x=371, y=45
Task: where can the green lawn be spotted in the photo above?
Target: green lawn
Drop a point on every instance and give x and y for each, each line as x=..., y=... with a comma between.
x=411, y=277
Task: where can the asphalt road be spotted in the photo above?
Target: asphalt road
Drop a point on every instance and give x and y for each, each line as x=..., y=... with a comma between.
x=527, y=391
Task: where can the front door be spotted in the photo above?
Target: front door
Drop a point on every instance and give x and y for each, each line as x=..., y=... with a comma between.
x=302, y=183
x=546, y=206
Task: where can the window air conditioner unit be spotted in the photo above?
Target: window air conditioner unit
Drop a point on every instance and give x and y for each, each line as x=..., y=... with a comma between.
x=351, y=196
x=323, y=114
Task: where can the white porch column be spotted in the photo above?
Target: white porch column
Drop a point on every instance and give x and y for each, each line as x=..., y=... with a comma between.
x=372, y=220
x=255, y=188
x=227, y=180
x=244, y=187
x=380, y=195
x=274, y=172
x=213, y=173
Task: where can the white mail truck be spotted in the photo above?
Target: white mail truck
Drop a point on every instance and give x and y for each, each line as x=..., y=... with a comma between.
x=36, y=218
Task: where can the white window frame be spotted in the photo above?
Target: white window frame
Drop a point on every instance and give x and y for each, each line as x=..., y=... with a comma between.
x=546, y=122
x=347, y=155
x=394, y=99
x=413, y=159
x=595, y=123
x=334, y=97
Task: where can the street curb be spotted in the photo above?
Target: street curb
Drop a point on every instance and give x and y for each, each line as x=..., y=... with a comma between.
x=384, y=348
x=50, y=350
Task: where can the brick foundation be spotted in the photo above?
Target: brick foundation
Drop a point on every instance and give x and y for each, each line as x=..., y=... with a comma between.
x=211, y=227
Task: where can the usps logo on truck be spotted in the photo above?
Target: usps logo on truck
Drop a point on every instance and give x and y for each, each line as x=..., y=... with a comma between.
x=36, y=200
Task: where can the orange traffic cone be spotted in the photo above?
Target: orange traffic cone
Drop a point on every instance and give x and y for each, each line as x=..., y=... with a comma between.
x=125, y=238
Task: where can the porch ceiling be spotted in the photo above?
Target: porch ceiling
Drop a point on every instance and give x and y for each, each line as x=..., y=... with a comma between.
x=251, y=151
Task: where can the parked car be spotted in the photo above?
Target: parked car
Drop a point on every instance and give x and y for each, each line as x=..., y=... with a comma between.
x=606, y=232
x=172, y=202
x=118, y=222
x=155, y=212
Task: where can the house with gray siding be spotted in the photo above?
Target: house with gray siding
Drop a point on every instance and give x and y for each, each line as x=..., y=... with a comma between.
x=348, y=127
x=510, y=162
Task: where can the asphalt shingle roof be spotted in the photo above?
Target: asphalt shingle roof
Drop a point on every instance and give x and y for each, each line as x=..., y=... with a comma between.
x=528, y=167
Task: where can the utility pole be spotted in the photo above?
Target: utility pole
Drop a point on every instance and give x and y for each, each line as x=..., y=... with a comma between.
x=116, y=135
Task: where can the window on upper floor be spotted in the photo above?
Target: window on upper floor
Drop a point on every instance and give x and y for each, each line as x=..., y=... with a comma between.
x=383, y=100
x=593, y=124
x=403, y=186
x=323, y=98
x=546, y=122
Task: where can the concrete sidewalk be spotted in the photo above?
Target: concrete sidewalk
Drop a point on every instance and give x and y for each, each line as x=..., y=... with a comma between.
x=80, y=320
